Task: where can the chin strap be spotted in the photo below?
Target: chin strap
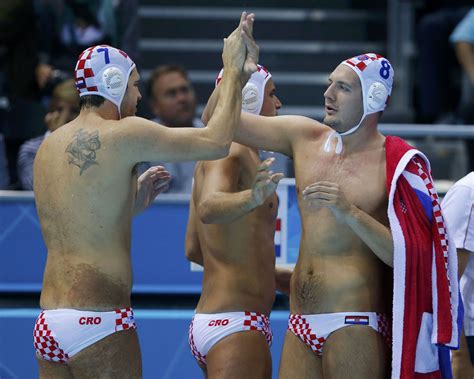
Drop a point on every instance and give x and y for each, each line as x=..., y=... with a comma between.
x=338, y=136
x=339, y=146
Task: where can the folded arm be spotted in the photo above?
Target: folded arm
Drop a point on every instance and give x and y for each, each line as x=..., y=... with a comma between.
x=221, y=201
x=142, y=140
x=376, y=235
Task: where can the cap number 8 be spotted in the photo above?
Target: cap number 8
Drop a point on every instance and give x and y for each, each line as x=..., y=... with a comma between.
x=385, y=70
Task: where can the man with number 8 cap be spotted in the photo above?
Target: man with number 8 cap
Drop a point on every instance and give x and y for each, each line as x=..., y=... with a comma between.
x=87, y=192
x=371, y=222
x=376, y=80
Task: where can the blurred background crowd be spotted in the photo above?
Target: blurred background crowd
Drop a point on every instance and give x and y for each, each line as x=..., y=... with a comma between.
x=177, y=47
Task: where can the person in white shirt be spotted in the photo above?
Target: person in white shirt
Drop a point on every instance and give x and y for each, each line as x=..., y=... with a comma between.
x=458, y=210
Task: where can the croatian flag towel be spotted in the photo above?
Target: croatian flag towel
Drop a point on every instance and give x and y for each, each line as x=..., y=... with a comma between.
x=425, y=284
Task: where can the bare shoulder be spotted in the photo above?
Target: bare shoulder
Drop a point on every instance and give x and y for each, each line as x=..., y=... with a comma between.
x=308, y=126
x=57, y=140
x=131, y=126
x=237, y=152
x=302, y=128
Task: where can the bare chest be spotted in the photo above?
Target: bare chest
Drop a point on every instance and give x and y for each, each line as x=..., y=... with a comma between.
x=361, y=176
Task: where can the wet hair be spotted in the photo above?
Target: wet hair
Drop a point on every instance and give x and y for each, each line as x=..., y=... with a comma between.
x=88, y=101
x=162, y=70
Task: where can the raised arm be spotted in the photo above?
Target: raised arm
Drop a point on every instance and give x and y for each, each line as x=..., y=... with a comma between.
x=250, y=66
x=279, y=133
x=143, y=140
x=221, y=201
x=268, y=133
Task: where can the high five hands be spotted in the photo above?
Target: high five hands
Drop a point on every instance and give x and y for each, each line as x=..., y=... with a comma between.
x=241, y=52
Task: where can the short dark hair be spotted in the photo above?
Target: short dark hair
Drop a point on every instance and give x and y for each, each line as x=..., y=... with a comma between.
x=162, y=70
x=89, y=101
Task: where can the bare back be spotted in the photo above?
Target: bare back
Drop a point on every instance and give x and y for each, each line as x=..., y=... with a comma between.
x=239, y=257
x=85, y=190
x=336, y=271
x=84, y=196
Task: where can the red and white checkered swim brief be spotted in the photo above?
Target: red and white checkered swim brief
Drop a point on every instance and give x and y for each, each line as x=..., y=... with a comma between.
x=61, y=333
x=206, y=330
x=314, y=330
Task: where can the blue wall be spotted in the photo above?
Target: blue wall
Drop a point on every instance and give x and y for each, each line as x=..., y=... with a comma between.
x=159, y=264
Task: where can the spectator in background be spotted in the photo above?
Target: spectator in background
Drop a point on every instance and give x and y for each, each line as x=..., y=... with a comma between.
x=172, y=98
x=436, y=62
x=458, y=205
x=173, y=103
x=64, y=107
x=68, y=27
x=21, y=113
x=463, y=40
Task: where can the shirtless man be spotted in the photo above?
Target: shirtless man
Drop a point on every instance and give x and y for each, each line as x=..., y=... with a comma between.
x=231, y=233
x=85, y=192
x=346, y=249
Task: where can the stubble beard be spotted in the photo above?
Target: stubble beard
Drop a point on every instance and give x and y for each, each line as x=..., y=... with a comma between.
x=332, y=123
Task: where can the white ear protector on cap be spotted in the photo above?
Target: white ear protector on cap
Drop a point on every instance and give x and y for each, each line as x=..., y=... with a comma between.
x=104, y=71
x=376, y=79
x=377, y=96
x=254, y=91
x=250, y=97
x=113, y=81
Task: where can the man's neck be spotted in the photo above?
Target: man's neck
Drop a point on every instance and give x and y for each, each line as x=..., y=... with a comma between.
x=105, y=111
x=366, y=137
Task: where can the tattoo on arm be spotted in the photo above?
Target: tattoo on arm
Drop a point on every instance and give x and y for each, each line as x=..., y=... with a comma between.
x=81, y=151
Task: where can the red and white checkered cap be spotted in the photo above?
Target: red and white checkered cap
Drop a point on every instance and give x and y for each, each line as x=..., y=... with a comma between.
x=376, y=80
x=254, y=91
x=372, y=68
x=103, y=70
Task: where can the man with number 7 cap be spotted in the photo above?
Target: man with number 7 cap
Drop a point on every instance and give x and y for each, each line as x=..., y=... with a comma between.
x=86, y=194
x=369, y=213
